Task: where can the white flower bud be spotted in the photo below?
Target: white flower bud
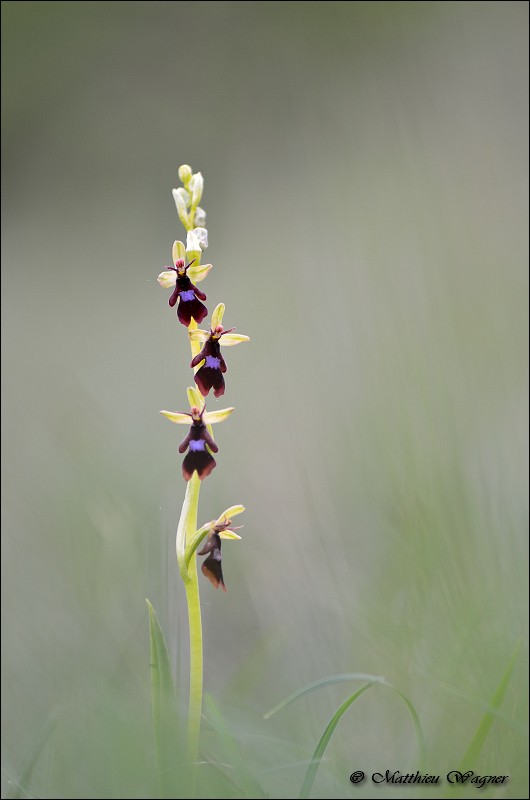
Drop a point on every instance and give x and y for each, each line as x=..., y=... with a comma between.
x=200, y=217
x=196, y=187
x=193, y=244
x=185, y=173
x=182, y=200
x=202, y=236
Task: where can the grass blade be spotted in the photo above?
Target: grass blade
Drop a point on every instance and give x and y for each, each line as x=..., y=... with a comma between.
x=470, y=757
x=320, y=684
x=165, y=723
x=326, y=736
x=415, y=721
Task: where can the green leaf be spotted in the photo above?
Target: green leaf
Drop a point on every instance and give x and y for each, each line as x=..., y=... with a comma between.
x=165, y=722
x=326, y=736
x=196, y=540
x=470, y=757
x=321, y=683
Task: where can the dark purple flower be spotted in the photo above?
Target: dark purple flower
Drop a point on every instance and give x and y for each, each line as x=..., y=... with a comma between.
x=210, y=373
x=211, y=566
x=198, y=442
x=188, y=295
x=182, y=278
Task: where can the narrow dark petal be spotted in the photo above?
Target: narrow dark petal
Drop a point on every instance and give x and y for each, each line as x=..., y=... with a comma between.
x=174, y=296
x=197, y=359
x=183, y=446
x=198, y=293
x=212, y=569
x=213, y=542
x=199, y=460
x=208, y=547
x=191, y=308
x=210, y=442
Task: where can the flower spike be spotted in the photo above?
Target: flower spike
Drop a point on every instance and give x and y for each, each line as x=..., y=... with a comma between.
x=198, y=446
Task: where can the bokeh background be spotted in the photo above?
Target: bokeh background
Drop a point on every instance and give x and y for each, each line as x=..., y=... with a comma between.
x=365, y=174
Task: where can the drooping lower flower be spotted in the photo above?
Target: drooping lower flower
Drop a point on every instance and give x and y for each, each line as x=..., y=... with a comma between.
x=210, y=373
x=180, y=277
x=211, y=566
x=199, y=442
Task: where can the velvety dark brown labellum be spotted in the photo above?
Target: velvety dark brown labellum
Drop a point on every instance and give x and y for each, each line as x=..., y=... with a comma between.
x=210, y=375
x=189, y=298
x=203, y=462
x=211, y=566
x=198, y=457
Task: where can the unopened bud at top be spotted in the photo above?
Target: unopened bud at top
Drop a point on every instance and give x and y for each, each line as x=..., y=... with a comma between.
x=196, y=186
x=182, y=199
x=185, y=173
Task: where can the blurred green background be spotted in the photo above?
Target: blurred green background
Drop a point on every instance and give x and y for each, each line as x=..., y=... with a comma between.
x=365, y=182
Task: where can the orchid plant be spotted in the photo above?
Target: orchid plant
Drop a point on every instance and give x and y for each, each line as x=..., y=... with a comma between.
x=199, y=445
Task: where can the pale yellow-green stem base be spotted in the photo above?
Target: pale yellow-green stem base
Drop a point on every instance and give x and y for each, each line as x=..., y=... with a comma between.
x=196, y=667
x=185, y=531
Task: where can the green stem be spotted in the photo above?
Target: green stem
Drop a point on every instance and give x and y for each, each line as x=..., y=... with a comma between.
x=195, y=625
x=185, y=531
